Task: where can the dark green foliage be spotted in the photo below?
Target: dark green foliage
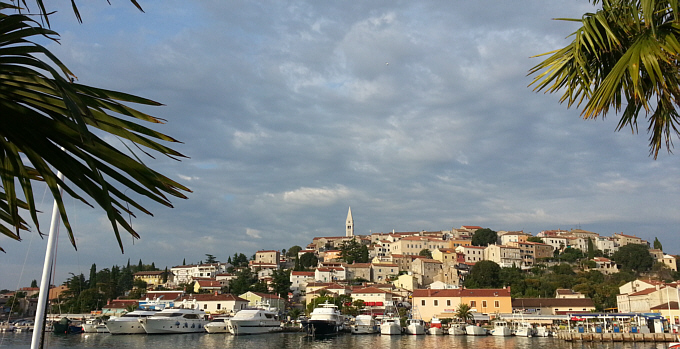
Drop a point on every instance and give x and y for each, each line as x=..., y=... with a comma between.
x=308, y=260
x=657, y=244
x=484, y=237
x=534, y=239
x=484, y=274
x=93, y=276
x=571, y=255
x=425, y=253
x=210, y=259
x=634, y=257
x=353, y=252
x=281, y=282
x=293, y=251
x=34, y=283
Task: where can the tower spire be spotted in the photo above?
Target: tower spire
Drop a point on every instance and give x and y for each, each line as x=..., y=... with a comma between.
x=349, y=225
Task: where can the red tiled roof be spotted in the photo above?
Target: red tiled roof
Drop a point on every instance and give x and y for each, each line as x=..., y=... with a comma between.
x=207, y=297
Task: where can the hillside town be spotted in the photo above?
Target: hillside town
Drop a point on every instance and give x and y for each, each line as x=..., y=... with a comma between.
x=554, y=272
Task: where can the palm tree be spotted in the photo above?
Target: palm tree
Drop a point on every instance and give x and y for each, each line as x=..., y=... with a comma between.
x=623, y=58
x=51, y=123
x=464, y=313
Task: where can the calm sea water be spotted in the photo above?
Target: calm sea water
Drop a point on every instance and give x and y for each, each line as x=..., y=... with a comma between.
x=297, y=340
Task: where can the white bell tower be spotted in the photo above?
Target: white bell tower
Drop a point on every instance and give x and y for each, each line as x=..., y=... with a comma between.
x=349, y=225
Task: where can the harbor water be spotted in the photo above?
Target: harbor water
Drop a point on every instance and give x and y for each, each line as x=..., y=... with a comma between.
x=298, y=340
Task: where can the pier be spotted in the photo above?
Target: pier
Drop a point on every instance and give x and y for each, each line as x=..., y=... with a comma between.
x=617, y=337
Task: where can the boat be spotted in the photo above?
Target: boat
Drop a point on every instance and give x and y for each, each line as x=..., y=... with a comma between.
x=262, y=319
x=128, y=323
x=542, y=331
x=95, y=325
x=501, y=328
x=390, y=325
x=415, y=326
x=365, y=324
x=474, y=330
x=187, y=318
x=457, y=329
x=67, y=326
x=324, y=320
x=219, y=324
x=435, y=327
x=523, y=329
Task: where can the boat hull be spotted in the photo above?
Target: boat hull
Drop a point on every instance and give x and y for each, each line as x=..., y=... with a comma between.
x=248, y=327
x=415, y=329
x=473, y=330
x=501, y=332
x=390, y=329
x=364, y=329
x=131, y=326
x=170, y=326
x=435, y=331
x=322, y=328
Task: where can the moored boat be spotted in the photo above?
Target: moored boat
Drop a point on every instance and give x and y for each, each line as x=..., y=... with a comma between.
x=187, y=318
x=435, y=327
x=501, y=328
x=262, y=319
x=94, y=326
x=474, y=330
x=415, y=326
x=390, y=325
x=457, y=329
x=365, y=324
x=128, y=323
x=325, y=320
x=523, y=329
x=219, y=324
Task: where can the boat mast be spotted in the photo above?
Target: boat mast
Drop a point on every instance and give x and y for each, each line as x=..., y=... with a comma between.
x=43, y=296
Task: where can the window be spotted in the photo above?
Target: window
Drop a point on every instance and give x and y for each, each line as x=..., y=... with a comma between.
x=496, y=304
x=473, y=304
x=205, y=306
x=483, y=304
x=436, y=303
x=448, y=302
x=422, y=302
x=219, y=306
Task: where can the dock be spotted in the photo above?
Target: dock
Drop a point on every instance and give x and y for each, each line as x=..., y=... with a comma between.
x=617, y=337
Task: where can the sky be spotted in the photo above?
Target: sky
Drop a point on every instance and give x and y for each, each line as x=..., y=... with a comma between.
x=417, y=115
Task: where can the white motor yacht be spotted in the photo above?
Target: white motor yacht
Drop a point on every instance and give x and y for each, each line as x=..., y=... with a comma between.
x=255, y=321
x=187, y=318
x=128, y=323
x=415, y=327
x=390, y=325
x=365, y=324
x=325, y=320
x=219, y=324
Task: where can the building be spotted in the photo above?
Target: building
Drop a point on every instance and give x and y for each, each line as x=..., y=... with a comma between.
x=257, y=298
x=425, y=270
x=443, y=303
x=152, y=278
x=567, y=293
x=623, y=239
x=358, y=271
x=349, y=224
x=330, y=274
x=472, y=254
x=504, y=256
x=384, y=271
x=552, y=306
x=412, y=245
x=218, y=303
x=268, y=257
x=185, y=274
x=206, y=285
x=375, y=299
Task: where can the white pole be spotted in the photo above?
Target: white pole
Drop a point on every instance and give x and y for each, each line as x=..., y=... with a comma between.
x=44, y=282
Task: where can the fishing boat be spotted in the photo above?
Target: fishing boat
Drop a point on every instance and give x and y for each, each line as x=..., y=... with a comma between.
x=523, y=329
x=435, y=327
x=390, y=325
x=219, y=324
x=187, y=318
x=262, y=319
x=324, y=320
x=415, y=326
x=501, y=328
x=457, y=329
x=365, y=324
x=474, y=330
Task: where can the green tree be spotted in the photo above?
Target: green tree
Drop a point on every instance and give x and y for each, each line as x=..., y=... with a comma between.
x=293, y=251
x=634, y=257
x=243, y=281
x=624, y=56
x=657, y=244
x=308, y=260
x=294, y=313
x=281, y=282
x=44, y=111
x=535, y=239
x=353, y=252
x=484, y=274
x=93, y=276
x=571, y=254
x=425, y=253
x=591, y=249
x=484, y=237
x=210, y=259
x=34, y=283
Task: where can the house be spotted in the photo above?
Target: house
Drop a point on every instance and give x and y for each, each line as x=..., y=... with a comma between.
x=412, y=245
x=445, y=255
x=358, y=271
x=384, y=271
x=268, y=257
x=257, y=298
x=118, y=307
x=623, y=239
x=185, y=274
x=332, y=255
x=406, y=281
x=330, y=274
x=531, y=251
x=552, y=306
x=218, y=303
x=299, y=280
x=207, y=285
x=317, y=290
x=605, y=265
x=425, y=270
x=375, y=299
x=513, y=236
x=504, y=256
x=643, y=301
x=443, y=303
x=471, y=254
x=152, y=278
x=567, y=293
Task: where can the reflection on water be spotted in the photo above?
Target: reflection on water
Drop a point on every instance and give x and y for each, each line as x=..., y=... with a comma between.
x=296, y=340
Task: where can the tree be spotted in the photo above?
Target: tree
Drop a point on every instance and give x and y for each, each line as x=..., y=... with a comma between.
x=93, y=276
x=51, y=123
x=624, y=56
x=308, y=260
x=634, y=257
x=484, y=237
x=34, y=283
x=353, y=252
x=210, y=259
x=464, y=313
x=293, y=251
x=534, y=239
x=657, y=244
x=425, y=253
x=281, y=282
x=484, y=274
